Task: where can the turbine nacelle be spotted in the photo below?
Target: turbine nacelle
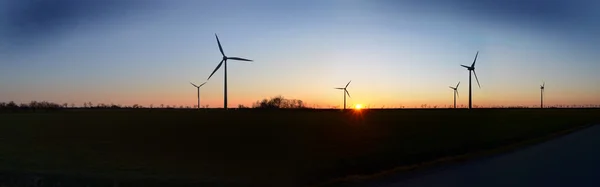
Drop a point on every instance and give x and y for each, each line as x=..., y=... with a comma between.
x=197, y=86
x=470, y=68
x=455, y=88
x=225, y=58
x=543, y=86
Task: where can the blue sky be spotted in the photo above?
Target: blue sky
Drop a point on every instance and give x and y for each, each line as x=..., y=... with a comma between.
x=397, y=53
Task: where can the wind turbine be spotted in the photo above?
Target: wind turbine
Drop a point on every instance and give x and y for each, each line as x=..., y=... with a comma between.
x=345, y=92
x=472, y=69
x=198, y=87
x=542, y=87
x=224, y=62
x=455, y=92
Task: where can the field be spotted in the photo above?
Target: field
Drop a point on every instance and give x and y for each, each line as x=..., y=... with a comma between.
x=258, y=147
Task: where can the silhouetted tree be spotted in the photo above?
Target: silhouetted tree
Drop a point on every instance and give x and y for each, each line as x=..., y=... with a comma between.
x=279, y=102
x=33, y=105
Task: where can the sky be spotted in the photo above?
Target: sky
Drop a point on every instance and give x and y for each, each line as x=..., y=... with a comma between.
x=397, y=53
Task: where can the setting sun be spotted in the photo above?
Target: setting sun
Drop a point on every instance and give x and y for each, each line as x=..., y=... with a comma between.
x=358, y=106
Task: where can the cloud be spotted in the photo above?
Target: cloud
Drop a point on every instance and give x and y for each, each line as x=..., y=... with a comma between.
x=30, y=20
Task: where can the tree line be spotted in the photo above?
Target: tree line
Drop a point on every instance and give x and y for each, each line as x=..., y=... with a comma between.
x=278, y=102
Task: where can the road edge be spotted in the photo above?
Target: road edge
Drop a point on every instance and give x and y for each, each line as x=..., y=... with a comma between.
x=447, y=160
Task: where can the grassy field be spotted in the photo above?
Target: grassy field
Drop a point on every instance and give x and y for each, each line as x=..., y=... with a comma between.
x=259, y=147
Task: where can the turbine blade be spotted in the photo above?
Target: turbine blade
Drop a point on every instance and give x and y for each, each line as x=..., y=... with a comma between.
x=218, y=42
x=457, y=84
x=347, y=84
x=202, y=84
x=457, y=95
x=451, y=87
x=473, y=65
x=476, y=78
x=221, y=63
x=347, y=93
x=193, y=84
x=339, y=88
x=544, y=85
x=238, y=58
x=465, y=66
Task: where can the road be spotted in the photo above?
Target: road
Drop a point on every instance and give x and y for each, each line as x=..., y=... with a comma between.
x=571, y=160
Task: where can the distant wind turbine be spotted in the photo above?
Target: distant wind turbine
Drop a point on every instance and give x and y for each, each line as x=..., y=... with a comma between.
x=345, y=92
x=198, y=87
x=224, y=62
x=472, y=69
x=455, y=92
x=542, y=87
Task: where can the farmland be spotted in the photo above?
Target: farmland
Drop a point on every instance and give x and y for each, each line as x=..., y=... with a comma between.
x=259, y=147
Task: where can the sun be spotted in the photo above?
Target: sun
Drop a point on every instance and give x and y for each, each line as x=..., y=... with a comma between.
x=358, y=106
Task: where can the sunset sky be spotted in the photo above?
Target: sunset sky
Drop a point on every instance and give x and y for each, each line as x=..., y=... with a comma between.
x=396, y=52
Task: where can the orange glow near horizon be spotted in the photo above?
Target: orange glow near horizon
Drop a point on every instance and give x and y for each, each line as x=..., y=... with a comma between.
x=358, y=106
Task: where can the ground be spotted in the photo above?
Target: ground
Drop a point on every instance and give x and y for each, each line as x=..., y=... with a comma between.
x=259, y=147
x=569, y=160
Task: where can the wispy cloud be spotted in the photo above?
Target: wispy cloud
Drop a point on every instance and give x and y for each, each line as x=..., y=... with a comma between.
x=37, y=20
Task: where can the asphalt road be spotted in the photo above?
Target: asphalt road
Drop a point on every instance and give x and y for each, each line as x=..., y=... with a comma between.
x=571, y=160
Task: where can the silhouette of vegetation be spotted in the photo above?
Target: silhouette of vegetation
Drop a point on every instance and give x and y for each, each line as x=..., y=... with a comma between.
x=45, y=105
x=279, y=102
x=33, y=105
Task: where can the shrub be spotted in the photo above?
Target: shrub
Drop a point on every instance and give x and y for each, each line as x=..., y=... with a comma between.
x=278, y=102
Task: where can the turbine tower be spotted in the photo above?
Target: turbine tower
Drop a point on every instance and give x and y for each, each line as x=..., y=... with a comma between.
x=345, y=93
x=198, y=87
x=224, y=62
x=472, y=69
x=542, y=87
x=455, y=92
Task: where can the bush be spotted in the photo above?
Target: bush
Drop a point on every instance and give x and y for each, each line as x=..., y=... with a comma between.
x=278, y=102
x=33, y=105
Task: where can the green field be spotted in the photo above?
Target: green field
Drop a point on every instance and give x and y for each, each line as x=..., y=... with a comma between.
x=260, y=147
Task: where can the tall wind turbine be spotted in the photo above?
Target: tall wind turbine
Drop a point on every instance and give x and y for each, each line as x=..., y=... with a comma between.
x=224, y=62
x=455, y=92
x=198, y=87
x=542, y=87
x=345, y=92
x=472, y=69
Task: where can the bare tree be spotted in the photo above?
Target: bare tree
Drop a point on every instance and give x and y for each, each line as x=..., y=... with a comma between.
x=279, y=102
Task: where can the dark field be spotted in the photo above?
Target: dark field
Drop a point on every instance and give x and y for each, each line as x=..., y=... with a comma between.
x=258, y=147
